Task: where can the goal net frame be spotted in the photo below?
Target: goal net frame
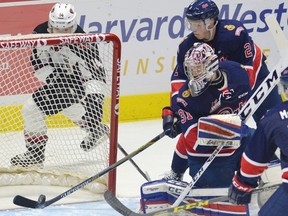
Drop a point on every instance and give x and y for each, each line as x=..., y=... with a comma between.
x=41, y=40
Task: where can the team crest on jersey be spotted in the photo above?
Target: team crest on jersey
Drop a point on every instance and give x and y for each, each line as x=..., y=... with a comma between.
x=229, y=27
x=186, y=94
x=215, y=105
x=182, y=101
x=239, y=30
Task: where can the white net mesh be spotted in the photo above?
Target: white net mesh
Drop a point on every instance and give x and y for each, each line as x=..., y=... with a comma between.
x=55, y=109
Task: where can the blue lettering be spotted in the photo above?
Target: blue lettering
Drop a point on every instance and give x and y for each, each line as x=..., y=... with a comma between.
x=110, y=25
x=181, y=31
x=146, y=32
x=245, y=19
x=125, y=37
x=262, y=16
x=147, y=28
x=160, y=21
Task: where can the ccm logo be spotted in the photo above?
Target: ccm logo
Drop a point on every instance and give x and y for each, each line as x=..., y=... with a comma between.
x=258, y=96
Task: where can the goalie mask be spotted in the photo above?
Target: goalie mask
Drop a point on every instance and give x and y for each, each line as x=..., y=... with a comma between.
x=283, y=85
x=62, y=19
x=200, y=64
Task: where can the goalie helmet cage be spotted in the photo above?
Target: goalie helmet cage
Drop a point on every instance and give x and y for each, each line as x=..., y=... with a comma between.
x=65, y=164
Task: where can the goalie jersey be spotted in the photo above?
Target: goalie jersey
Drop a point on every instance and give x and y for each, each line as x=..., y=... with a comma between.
x=227, y=100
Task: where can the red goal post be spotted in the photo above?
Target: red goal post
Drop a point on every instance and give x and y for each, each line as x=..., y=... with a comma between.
x=65, y=163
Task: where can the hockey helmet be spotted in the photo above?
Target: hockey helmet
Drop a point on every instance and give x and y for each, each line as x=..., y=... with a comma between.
x=62, y=16
x=202, y=10
x=200, y=60
x=200, y=63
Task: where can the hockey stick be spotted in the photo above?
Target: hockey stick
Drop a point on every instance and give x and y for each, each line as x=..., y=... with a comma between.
x=42, y=203
x=114, y=202
x=254, y=101
x=144, y=174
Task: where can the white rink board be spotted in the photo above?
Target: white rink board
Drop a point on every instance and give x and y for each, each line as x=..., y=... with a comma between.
x=151, y=31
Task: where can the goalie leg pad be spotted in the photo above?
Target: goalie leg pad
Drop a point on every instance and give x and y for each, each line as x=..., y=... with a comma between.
x=161, y=194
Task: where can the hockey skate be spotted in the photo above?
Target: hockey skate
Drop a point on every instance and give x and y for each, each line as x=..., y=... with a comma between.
x=95, y=137
x=174, y=176
x=34, y=156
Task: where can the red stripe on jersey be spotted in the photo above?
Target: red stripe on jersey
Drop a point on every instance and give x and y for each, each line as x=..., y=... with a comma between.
x=251, y=169
x=190, y=139
x=285, y=175
x=181, y=145
x=175, y=86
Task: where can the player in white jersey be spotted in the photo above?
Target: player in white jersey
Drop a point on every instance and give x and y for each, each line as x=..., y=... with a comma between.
x=73, y=77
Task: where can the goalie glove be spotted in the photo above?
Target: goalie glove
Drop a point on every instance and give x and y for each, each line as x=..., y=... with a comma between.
x=238, y=192
x=171, y=122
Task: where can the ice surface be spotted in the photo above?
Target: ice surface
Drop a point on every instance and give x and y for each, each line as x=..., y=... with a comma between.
x=155, y=161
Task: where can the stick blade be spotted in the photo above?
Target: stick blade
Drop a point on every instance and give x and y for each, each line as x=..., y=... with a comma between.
x=25, y=202
x=112, y=200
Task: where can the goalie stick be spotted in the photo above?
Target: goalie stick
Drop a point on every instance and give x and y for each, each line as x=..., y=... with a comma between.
x=254, y=101
x=42, y=203
x=115, y=203
x=144, y=174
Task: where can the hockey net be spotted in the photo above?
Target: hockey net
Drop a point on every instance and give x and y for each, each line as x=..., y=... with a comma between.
x=58, y=118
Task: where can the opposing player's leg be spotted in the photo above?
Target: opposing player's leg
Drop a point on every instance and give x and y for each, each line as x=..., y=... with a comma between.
x=48, y=100
x=35, y=135
x=96, y=131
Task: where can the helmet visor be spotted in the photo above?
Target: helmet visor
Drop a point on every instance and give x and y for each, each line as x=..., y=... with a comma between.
x=195, y=25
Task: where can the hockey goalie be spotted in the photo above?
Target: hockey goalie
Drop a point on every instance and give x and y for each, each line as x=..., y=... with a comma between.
x=161, y=194
x=73, y=80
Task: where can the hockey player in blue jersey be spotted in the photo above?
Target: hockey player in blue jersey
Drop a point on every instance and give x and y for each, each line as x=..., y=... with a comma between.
x=270, y=135
x=230, y=41
x=212, y=88
x=222, y=90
